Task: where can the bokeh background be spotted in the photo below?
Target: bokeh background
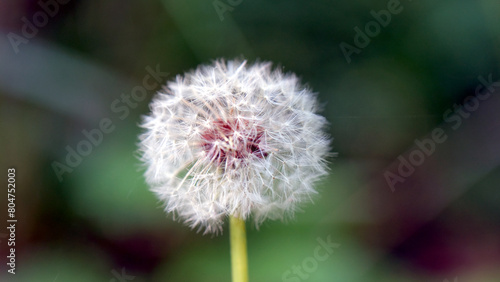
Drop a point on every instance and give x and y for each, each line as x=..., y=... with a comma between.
x=100, y=223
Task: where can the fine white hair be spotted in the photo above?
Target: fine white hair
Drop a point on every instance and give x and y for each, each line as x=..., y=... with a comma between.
x=233, y=139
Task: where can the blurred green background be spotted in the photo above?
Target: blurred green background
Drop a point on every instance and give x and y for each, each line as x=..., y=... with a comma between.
x=64, y=64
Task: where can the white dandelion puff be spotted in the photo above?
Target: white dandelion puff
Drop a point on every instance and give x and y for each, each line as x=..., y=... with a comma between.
x=233, y=139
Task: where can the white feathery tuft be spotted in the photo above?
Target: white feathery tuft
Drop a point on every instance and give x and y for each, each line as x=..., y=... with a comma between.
x=233, y=139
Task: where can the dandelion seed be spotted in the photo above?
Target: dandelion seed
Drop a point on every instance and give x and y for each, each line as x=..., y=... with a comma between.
x=232, y=139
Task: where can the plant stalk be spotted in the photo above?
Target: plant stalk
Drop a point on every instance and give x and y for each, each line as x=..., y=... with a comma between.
x=238, y=244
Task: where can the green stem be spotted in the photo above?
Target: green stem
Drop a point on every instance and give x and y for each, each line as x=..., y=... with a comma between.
x=238, y=243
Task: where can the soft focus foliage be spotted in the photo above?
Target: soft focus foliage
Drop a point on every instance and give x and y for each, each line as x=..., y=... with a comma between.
x=418, y=73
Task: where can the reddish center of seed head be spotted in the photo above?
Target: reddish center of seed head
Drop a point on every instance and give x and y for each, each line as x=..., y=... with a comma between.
x=227, y=141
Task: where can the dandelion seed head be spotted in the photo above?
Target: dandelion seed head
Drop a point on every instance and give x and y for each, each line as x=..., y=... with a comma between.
x=233, y=139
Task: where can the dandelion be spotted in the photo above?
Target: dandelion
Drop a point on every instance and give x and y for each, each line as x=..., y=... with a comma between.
x=233, y=140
